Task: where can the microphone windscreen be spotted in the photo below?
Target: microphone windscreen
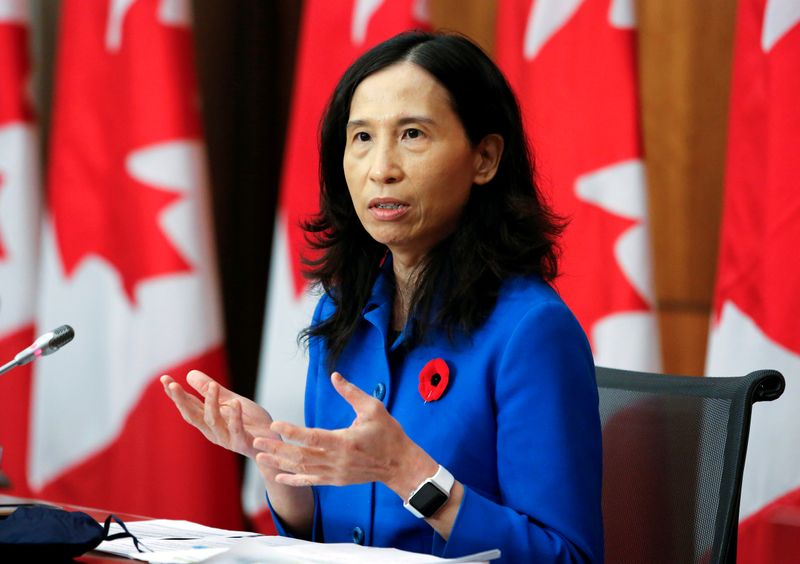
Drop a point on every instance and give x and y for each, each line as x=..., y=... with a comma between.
x=61, y=336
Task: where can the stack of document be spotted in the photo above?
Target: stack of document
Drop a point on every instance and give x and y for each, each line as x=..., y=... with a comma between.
x=159, y=538
x=179, y=542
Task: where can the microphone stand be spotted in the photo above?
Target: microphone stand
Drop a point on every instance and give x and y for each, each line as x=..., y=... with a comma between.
x=44, y=345
x=5, y=483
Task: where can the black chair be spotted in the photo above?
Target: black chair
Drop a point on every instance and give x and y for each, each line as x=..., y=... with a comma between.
x=673, y=456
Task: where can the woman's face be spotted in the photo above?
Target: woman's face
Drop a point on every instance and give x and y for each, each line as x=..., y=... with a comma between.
x=408, y=162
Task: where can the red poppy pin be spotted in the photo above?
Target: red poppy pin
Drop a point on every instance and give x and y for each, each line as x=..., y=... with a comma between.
x=433, y=379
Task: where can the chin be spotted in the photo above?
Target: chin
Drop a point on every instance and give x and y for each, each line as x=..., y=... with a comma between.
x=384, y=238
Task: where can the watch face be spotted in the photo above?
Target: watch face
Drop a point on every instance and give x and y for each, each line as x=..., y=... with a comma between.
x=428, y=499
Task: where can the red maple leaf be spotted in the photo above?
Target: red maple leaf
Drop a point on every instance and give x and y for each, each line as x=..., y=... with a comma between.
x=14, y=69
x=761, y=217
x=579, y=101
x=318, y=70
x=111, y=102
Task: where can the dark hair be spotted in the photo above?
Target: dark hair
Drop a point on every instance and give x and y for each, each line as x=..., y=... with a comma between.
x=506, y=228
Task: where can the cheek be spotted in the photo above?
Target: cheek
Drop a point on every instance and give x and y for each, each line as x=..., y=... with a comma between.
x=350, y=181
x=356, y=196
x=353, y=176
x=451, y=186
x=354, y=200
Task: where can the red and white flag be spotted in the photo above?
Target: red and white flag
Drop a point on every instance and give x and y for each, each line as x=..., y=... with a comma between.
x=757, y=302
x=127, y=260
x=332, y=36
x=573, y=66
x=20, y=198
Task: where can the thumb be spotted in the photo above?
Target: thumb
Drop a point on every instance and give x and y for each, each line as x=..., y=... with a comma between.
x=199, y=381
x=351, y=393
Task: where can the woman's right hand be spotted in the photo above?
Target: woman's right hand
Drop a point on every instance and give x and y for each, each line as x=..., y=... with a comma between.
x=225, y=418
x=234, y=422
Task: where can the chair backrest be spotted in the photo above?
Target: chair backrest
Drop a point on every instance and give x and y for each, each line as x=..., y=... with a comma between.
x=673, y=456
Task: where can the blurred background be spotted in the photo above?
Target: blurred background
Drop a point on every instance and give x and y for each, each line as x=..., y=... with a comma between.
x=245, y=62
x=172, y=144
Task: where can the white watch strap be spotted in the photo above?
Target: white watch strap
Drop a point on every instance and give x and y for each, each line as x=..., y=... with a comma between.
x=442, y=479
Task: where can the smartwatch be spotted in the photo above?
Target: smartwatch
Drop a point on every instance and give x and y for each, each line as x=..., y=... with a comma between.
x=431, y=494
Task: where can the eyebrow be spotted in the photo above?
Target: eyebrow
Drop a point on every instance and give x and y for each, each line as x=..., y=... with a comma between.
x=402, y=121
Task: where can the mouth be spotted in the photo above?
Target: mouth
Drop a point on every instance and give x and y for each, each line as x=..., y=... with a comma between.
x=387, y=209
x=387, y=204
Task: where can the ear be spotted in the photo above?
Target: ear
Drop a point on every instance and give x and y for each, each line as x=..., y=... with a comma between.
x=487, y=158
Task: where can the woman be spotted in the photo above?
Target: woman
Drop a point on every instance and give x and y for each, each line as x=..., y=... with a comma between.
x=469, y=420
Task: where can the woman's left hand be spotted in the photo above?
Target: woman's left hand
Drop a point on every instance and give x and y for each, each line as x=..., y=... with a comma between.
x=373, y=449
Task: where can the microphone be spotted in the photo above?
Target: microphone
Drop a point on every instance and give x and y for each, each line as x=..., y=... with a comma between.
x=48, y=343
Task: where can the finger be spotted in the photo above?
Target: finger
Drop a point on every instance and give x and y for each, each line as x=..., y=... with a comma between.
x=201, y=381
x=198, y=380
x=292, y=458
x=165, y=382
x=175, y=391
x=237, y=429
x=304, y=465
x=291, y=452
x=299, y=480
x=285, y=457
x=186, y=403
x=235, y=424
x=211, y=412
x=190, y=408
x=268, y=465
x=265, y=444
x=352, y=394
x=319, y=438
x=170, y=385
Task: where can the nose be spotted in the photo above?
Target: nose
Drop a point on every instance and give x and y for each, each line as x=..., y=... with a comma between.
x=385, y=168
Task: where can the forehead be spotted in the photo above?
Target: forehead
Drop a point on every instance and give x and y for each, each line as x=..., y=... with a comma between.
x=400, y=88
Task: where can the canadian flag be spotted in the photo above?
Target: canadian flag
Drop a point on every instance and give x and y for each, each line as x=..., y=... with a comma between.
x=332, y=36
x=573, y=66
x=19, y=234
x=757, y=303
x=127, y=260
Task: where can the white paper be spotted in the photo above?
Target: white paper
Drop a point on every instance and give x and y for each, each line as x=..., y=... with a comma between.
x=187, y=556
x=165, y=535
x=277, y=550
x=181, y=542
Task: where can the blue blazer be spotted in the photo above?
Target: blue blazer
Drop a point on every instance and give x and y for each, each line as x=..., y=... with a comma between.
x=518, y=426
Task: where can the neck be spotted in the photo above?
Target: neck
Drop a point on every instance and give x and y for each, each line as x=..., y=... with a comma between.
x=405, y=271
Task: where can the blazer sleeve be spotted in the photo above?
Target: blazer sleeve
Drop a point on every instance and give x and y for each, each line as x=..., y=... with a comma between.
x=548, y=450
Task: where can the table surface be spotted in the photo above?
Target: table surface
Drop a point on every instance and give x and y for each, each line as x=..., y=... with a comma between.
x=99, y=515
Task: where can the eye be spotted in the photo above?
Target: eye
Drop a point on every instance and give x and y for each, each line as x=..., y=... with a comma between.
x=412, y=133
x=362, y=136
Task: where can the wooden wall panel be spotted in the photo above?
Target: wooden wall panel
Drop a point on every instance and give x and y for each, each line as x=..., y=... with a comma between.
x=684, y=71
x=475, y=18
x=685, y=51
x=245, y=58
